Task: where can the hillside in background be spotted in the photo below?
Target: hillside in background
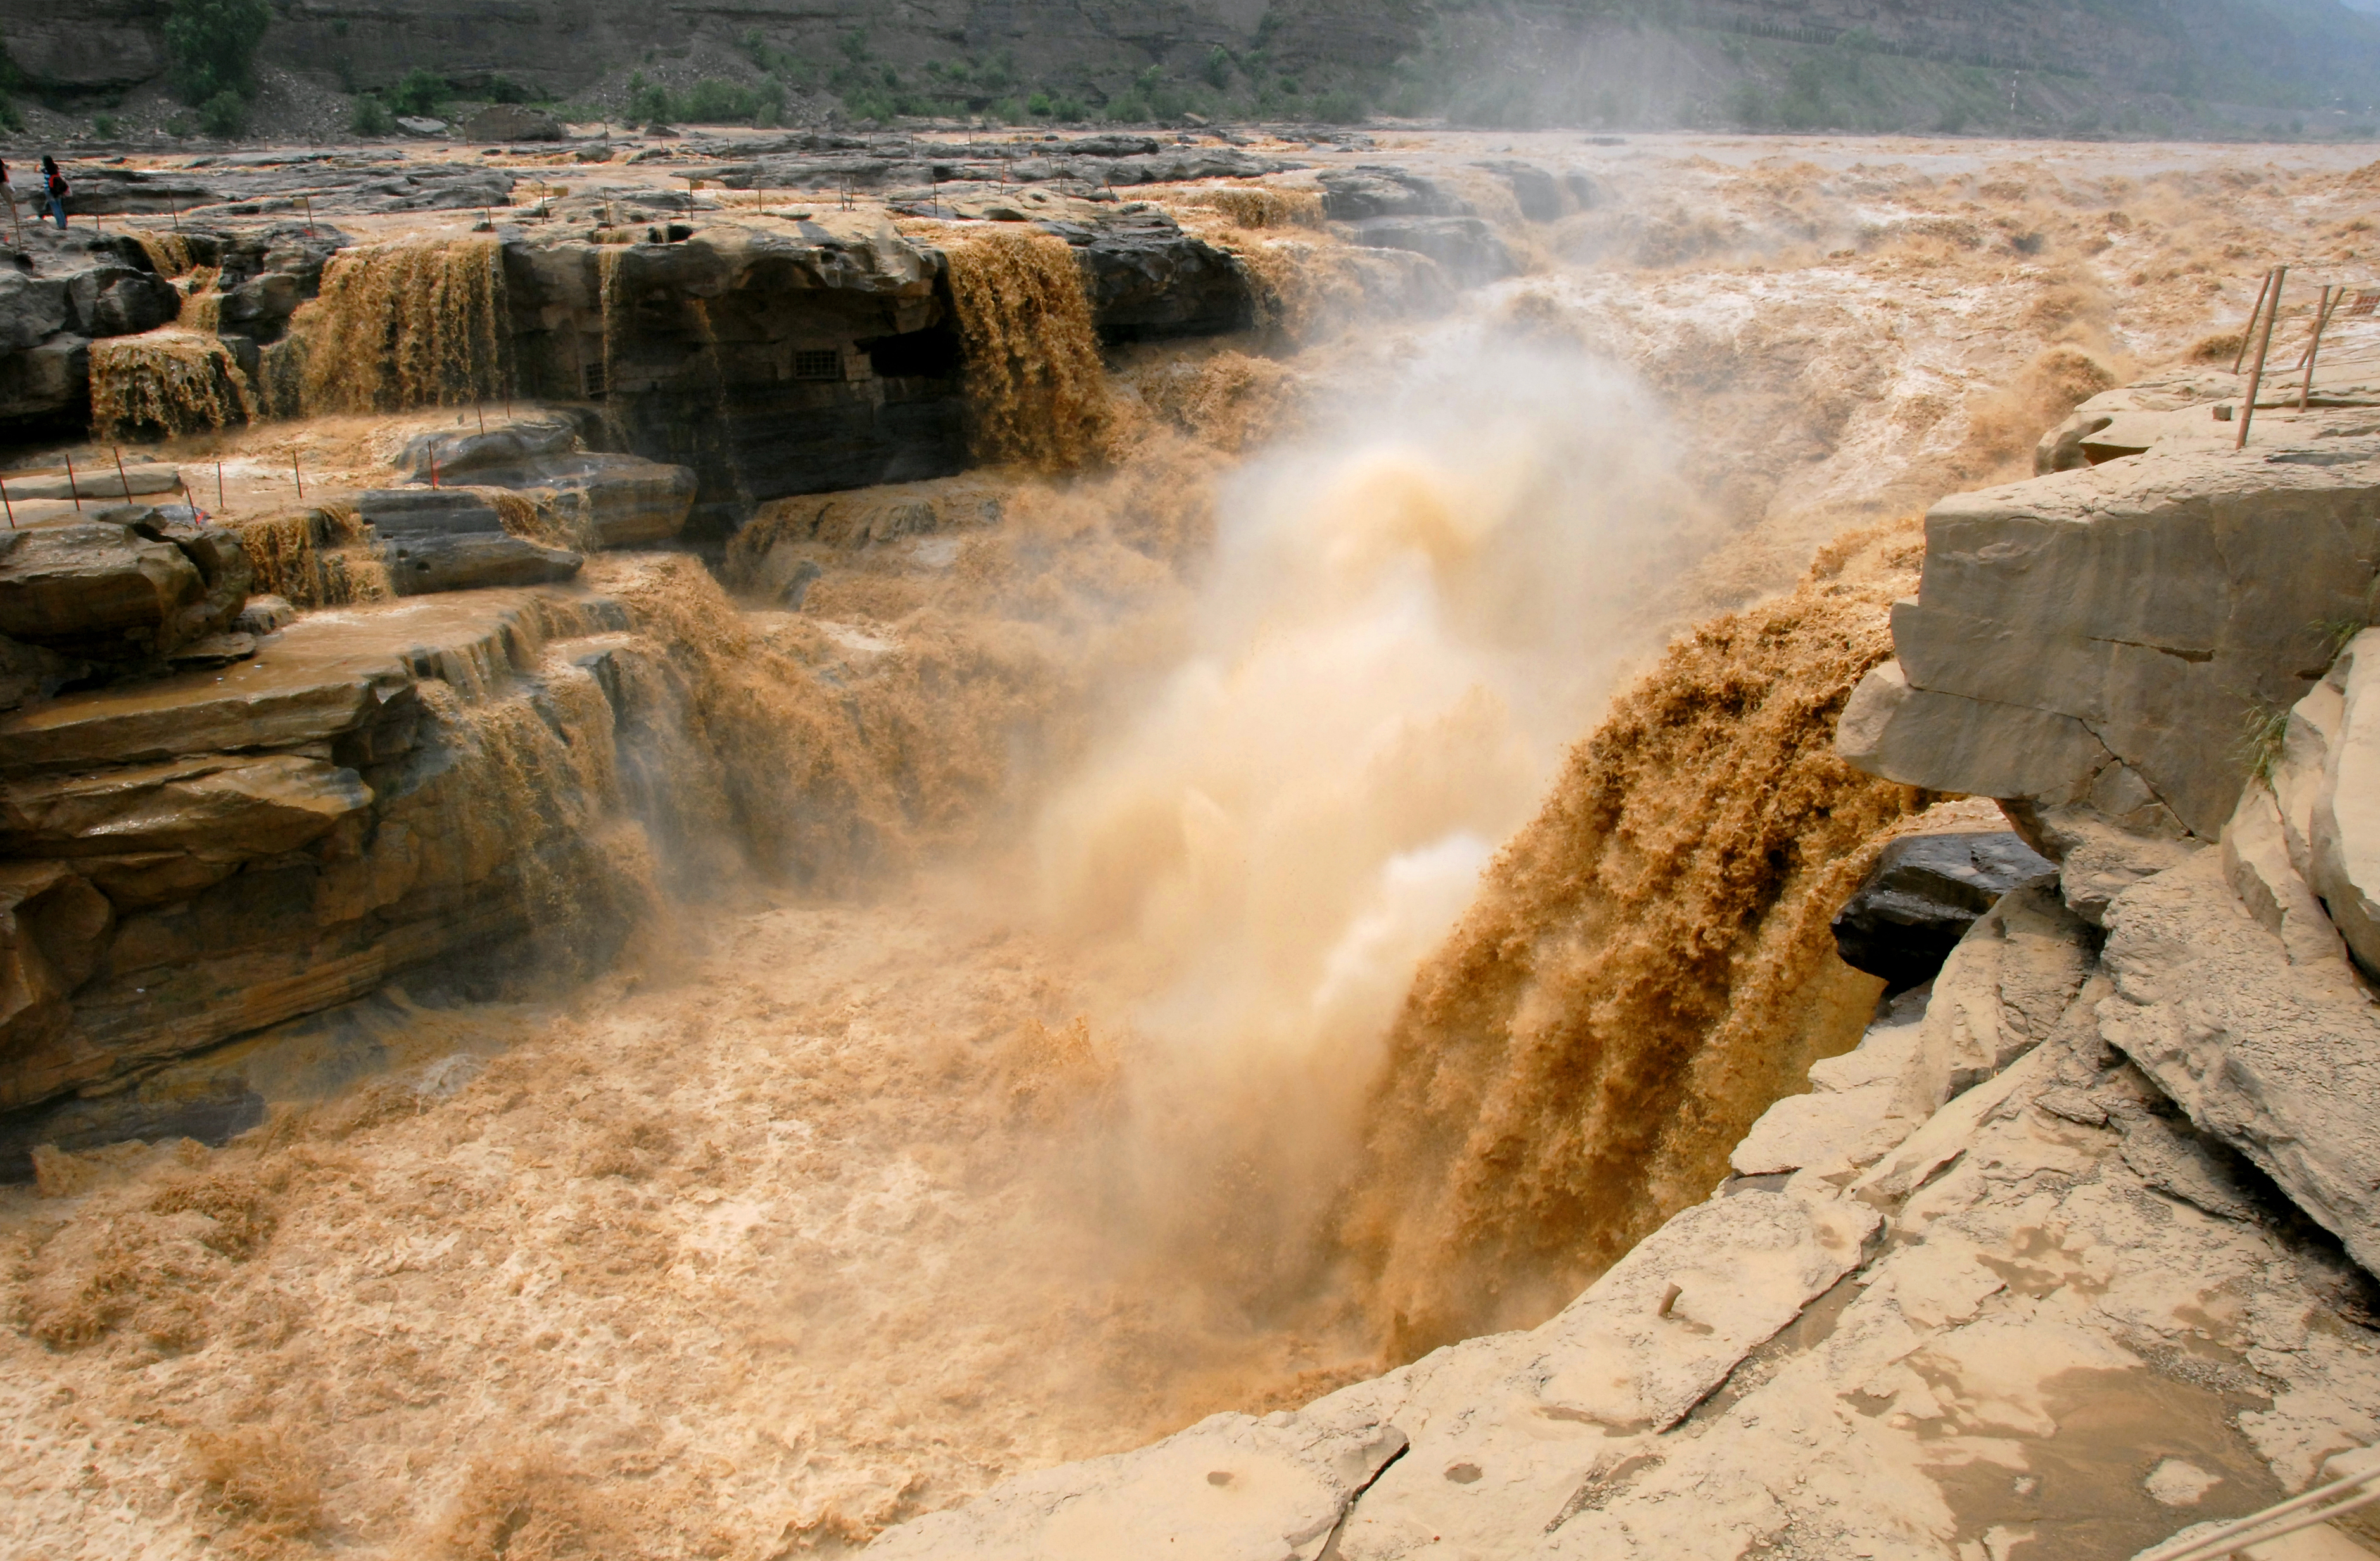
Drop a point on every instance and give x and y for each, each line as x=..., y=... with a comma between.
x=2266, y=69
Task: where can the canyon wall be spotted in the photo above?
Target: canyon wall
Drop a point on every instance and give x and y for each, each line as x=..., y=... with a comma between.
x=1706, y=62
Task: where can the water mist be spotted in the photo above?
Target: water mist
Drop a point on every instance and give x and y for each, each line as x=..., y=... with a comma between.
x=1407, y=614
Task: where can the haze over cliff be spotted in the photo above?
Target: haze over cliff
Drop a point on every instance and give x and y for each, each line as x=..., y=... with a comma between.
x=2273, y=68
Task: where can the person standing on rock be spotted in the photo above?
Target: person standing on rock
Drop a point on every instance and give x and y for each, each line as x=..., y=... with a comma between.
x=53, y=185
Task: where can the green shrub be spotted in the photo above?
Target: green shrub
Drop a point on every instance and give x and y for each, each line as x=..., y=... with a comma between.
x=649, y=102
x=1340, y=105
x=1218, y=68
x=420, y=94
x=1039, y=105
x=1068, y=108
x=210, y=46
x=371, y=117
x=504, y=89
x=713, y=102
x=104, y=127
x=223, y=115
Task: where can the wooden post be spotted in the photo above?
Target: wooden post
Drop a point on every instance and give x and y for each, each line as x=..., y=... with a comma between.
x=309, y=215
x=299, y=472
x=119, y=472
x=74, y=489
x=6, y=505
x=175, y=207
x=220, y=506
x=2263, y=345
x=2247, y=332
x=433, y=469
x=481, y=408
x=2331, y=299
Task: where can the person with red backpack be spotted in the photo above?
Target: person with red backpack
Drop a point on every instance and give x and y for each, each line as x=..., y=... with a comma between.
x=55, y=184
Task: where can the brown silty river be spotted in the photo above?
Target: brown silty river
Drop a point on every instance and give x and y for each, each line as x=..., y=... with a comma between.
x=1101, y=1098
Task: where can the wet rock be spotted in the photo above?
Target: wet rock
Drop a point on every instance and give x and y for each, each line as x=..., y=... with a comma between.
x=1146, y=279
x=454, y=539
x=710, y=355
x=605, y=501
x=1922, y=896
x=1471, y=251
x=29, y=673
x=1369, y=190
x=33, y=309
x=213, y=650
x=96, y=590
x=53, y=929
x=264, y=615
x=1537, y=192
x=2279, y=1061
x=510, y=122
x=222, y=806
x=285, y=835
x=420, y=125
x=119, y=301
x=2032, y=664
x=47, y=386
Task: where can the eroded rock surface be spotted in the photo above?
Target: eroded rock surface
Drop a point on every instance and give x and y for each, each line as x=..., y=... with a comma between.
x=203, y=855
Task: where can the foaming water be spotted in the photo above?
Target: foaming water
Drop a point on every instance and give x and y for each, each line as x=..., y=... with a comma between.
x=1404, y=617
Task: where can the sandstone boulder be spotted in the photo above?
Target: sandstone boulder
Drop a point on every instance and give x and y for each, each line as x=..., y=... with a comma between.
x=2258, y=865
x=1922, y=896
x=2003, y=991
x=454, y=539
x=97, y=589
x=454, y=455
x=29, y=673
x=2037, y=666
x=2280, y=1060
x=2343, y=844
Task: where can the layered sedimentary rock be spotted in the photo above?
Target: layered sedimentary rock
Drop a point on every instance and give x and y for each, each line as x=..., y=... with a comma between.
x=2090, y=646
x=391, y=787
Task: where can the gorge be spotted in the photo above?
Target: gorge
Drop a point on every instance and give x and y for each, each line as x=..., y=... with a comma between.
x=824, y=842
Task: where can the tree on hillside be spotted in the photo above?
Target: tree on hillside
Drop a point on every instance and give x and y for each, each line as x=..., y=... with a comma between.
x=212, y=46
